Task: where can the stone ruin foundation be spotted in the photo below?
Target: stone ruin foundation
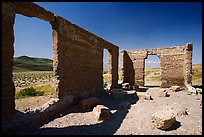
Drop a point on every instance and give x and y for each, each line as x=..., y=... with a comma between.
x=78, y=63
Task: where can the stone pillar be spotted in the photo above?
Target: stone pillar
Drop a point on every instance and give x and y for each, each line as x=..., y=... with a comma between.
x=8, y=87
x=139, y=71
x=122, y=67
x=55, y=59
x=163, y=79
x=188, y=64
x=127, y=70
x=113, y=68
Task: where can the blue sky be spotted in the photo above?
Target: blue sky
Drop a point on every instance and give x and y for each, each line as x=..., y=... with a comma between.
x=129, y=25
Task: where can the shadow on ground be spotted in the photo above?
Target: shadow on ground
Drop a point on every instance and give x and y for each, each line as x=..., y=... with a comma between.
x=108, y=127
x=142, y=89
x=176, y=125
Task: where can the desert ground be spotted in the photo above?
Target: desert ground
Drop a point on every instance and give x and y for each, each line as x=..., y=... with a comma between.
x=133, y=121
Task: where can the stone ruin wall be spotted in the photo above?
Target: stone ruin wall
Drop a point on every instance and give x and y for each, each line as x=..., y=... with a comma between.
x=77, y=57
x=175, y=65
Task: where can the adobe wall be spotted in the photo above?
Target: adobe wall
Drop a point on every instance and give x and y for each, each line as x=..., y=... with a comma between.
x=8, y=88
x=175, y=65
x=77, y=56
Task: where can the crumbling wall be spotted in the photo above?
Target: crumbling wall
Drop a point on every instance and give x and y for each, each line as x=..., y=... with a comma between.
x=175, y=65
x=8, y=89
x=80, y=65
x=112, y=66
x=188, y=64
x=77, y=57
x=127, y=69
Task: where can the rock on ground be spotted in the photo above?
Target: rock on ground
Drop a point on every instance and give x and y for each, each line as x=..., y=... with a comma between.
x=163, y=93
x=143, y=96
x=89, y=102
x=101, y=112
x=163, y=119
x=175, y=88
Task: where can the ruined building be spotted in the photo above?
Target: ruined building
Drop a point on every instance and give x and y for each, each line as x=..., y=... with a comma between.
x=78, y=60
x=175, y=65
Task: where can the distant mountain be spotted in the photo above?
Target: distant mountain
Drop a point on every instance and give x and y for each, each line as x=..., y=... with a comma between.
x=25, y=63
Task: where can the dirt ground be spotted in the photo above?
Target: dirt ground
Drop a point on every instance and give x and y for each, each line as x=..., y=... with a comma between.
x=133, y=121
x=24, y=104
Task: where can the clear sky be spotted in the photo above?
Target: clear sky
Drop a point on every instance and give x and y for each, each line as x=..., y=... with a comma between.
x=129, y=25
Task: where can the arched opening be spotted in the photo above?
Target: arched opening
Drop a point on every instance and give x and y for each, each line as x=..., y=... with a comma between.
x=33, y=63
x=105, y=69
x=152, y=71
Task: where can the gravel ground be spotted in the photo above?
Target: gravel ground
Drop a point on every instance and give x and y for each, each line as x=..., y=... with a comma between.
x=133, y=121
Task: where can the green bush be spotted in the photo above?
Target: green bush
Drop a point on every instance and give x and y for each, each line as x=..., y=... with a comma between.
x=46, y=89
x=28, y=92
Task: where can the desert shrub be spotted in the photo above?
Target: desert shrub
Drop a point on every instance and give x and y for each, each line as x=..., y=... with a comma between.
x=22, y=79
x=156, y=78
x=147, y=72
x=42, y=90
x=28, y=92
x=105, y=80
x=105, y=84
x=105, y=77
x=46, y=89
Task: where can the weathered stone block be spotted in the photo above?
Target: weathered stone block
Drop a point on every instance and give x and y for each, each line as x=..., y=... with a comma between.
x=126, y=86
x=163, y=93
x=143, y=96
x=199, y=90
x=101, y=113
x=163, y=119
x=191, y=89
x=175, y=88
x=89, y=103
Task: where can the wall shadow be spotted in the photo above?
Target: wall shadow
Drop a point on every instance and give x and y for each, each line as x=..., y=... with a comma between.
x=175, y=126
x=129, y=72
x=108, y=127
x=142, y=89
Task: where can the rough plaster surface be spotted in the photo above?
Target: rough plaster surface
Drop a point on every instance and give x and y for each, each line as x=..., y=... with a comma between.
x=175, y=65
x=78, y=60
x=77, y=57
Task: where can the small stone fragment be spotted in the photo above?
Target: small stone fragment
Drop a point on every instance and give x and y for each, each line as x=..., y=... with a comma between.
x=175, y=88
x=143, y=96
x=101, y=113
x=89, y=102
x=163, y=119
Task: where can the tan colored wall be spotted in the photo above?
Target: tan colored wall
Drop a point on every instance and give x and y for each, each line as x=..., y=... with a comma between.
x=113, y=68
x=127, y=69
x=77, y=57
x=175, y=65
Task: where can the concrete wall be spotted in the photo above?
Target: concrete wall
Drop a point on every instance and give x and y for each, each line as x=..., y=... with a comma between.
x=175, y=65
x=77, y=57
